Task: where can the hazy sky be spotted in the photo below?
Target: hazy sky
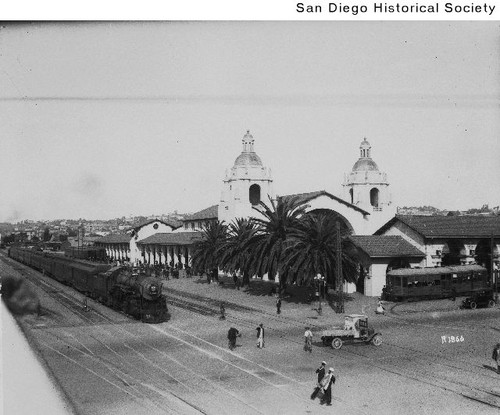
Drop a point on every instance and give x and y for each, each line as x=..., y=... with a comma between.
x=99, y=120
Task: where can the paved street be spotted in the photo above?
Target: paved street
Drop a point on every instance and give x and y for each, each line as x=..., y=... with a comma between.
x=107, y=363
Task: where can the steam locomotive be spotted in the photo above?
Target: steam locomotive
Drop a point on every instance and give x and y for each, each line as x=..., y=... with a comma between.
x=121, y=288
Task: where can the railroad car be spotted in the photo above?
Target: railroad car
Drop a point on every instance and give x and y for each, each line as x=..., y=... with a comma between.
x=118, y=287
x=437, y=282
x=90, y=253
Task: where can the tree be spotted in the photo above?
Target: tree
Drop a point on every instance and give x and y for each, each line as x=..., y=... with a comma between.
x=311, y=249
x=235, y=253
x=268, y=242
x=206, y=251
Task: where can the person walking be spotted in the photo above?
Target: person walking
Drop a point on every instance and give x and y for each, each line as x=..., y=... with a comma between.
x=278, y=305
x=326, y=383
x=260, y=336
x=321, y=374
x=232, y=334
x=222, y=311
x=496, y=356
x=236, y=281
x=308, y=336
x=380, y=308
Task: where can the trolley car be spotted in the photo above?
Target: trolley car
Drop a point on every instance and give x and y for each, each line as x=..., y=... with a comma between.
x=438, y=282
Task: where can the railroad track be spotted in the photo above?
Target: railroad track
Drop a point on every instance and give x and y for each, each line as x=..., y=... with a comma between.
x=67, y=296
x=247, y=316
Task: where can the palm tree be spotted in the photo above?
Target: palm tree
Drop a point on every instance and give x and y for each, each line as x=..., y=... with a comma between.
x=268, y=242
x=311, y=249
x=206, y=250
x=235, y=253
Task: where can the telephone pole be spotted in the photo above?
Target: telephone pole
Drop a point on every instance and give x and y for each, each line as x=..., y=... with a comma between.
x=340, y=278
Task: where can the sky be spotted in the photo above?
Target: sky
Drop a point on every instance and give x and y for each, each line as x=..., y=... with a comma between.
x=108, y=119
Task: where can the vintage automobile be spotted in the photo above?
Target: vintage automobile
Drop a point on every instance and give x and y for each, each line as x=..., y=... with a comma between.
x=479, y=299
x=356, y=330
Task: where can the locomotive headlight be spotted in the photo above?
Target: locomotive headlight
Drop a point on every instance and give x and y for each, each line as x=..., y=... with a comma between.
x=153, y=289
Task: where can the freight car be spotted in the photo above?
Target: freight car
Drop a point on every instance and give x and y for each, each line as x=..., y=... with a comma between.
x=437, y=282
x=118, y=287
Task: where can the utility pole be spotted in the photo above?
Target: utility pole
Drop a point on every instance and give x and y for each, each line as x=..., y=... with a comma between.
x=494, y=273
x=340, y=279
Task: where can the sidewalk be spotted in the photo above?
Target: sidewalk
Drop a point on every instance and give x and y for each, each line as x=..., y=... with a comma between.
x=295, y=304
x=257, y=295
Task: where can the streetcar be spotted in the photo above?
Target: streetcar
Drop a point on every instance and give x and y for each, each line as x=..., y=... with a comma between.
x=436, y=282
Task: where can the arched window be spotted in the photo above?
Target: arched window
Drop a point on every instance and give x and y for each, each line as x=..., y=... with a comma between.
x=254, y=194
x=374, y=197
x=351, y=193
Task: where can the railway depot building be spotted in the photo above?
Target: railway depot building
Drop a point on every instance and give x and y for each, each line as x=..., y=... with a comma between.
x=449, y=240
x=384, y=240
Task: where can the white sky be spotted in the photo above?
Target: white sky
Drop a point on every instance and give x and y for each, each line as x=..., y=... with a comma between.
x=100, y=120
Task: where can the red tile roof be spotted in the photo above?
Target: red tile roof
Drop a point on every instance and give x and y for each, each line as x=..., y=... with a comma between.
x=385, y=246
x=211, y=212
x=448, y=226
x=180, y=238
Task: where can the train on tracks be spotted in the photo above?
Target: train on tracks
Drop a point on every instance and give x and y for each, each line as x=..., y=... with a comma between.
x=437, y=282
x=120, y=288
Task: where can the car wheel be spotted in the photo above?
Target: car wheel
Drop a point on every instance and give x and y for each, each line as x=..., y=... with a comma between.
x=336, y=343
x=473, y=305
x=377, y=340
x=491, y=303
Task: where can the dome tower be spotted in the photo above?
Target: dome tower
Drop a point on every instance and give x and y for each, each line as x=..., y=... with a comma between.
x=365, y=186
x=245, y=185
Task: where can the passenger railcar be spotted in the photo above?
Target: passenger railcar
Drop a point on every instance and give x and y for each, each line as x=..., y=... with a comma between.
x=90, y=253
x=438, y=282
x=118, y=287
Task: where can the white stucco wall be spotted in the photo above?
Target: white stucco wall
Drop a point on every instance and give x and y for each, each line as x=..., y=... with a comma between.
x=144, y=232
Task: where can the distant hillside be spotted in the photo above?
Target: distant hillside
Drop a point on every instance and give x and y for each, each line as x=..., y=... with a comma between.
x=432, y=211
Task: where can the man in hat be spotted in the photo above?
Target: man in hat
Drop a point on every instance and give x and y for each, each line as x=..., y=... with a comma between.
x=260, y=336
x=326, y=384
x=232, y=334
x=321, y=374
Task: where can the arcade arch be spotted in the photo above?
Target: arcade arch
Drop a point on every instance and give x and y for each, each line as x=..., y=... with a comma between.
x=483, y=253
x=453, y=251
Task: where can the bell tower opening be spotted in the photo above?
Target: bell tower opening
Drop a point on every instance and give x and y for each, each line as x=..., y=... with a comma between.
x=374, y=193
x=254, y=194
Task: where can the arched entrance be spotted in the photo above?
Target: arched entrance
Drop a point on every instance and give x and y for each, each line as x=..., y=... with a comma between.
x=345, y=227
x=483, y=253
x=345, y=230
x=453, y=251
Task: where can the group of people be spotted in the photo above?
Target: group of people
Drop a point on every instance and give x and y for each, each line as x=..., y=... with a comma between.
x=324, y=386
x=234, y=333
